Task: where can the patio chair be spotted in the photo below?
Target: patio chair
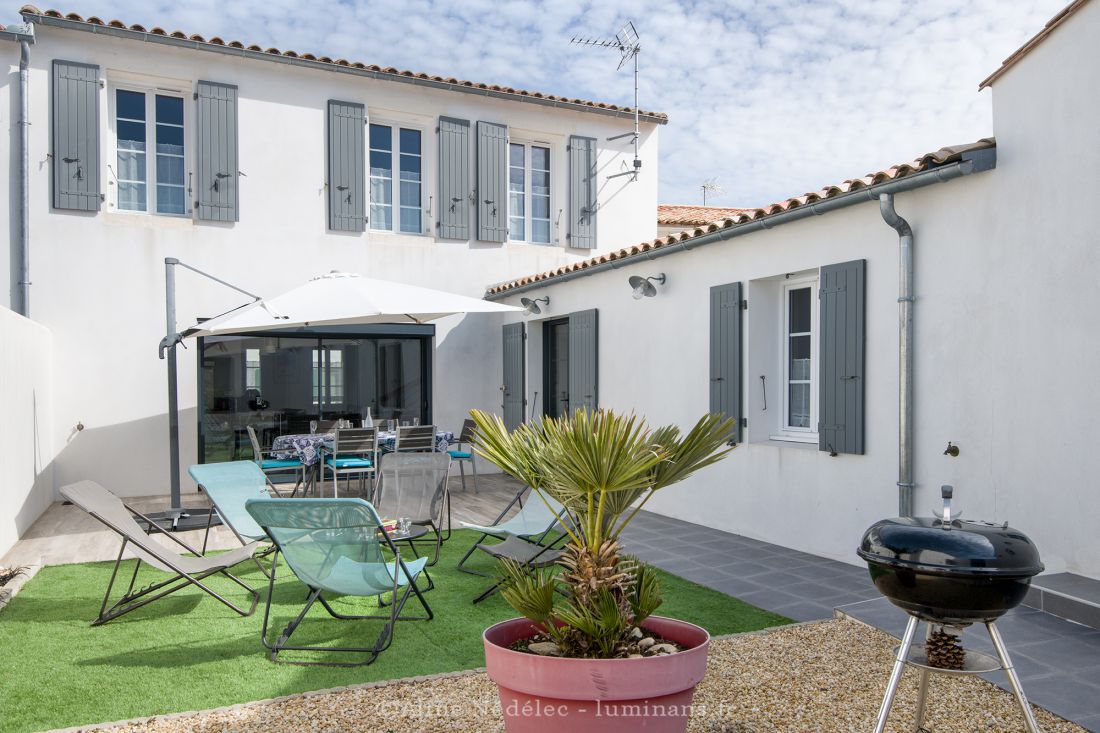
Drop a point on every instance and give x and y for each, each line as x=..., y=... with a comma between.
x=462, y=457
x=335, y=546
x=228, y=486
x=275, y=466
x=185, y=570
x=414, y=485
x=533, y=523
x=354, y=453
x=415, y=439
x=326, y=426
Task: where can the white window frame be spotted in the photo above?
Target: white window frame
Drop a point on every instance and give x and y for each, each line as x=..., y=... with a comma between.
x=150, y=91
x=527, y=191
x=786, y=431
x=395, y=178
x=328, y=362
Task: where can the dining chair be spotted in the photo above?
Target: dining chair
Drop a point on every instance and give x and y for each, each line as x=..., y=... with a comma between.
x=275, y=466
x=326, y=426
x=462, y=456
x=415, y=438
x=354, y=452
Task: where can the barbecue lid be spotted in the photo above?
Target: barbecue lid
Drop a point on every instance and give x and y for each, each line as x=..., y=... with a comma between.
x=955, y=546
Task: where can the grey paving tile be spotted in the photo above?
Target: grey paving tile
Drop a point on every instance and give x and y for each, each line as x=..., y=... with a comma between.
x=804, y=611
x=1089, y=722
x=1070, y=584
x=1073, y=609
x=769, y=599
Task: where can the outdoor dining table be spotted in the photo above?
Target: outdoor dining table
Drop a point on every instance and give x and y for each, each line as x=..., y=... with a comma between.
x=307, y=447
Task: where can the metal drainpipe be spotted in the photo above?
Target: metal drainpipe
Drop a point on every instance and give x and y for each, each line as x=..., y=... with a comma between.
x=905, y=353
x=24, y=180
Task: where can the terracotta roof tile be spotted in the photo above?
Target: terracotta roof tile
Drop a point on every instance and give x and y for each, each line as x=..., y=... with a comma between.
x=688, y=215
x=925, y=162
x=1034, y=41
x=521, y=94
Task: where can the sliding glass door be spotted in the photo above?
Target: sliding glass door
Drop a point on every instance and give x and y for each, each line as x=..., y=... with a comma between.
x=278, y=384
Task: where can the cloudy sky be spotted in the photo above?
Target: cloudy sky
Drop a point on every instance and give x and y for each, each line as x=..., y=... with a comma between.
x=770, y=97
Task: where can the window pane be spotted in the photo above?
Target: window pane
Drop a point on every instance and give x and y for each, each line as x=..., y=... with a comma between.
x=410, y=193
x=515, y=155
x=800, y=358
x=410, y=220
x=381, y=164
x=131, y=196
x=799, y=406
x=540, y=159
x=515, y=228
x=169, y=169
x=130, y=105
x=171, y=200
x=131, y=166
x=410, y=167
x=410, y=141
x=169, y=140
x=540, y=206
x=131, y=135
x=169, y=110
x=381, y=191
x=800, y=310
x=381, y=137
x=381, y=217
x=540, y=231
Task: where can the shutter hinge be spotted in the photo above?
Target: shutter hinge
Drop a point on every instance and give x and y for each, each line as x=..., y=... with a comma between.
x=744, y=305
x=102, y=83
x=194, y=95
x=744, y=422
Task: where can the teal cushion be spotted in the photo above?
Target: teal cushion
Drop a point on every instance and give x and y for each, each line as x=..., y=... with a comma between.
x=460, y=454
x=277, y=463
x=349, y=462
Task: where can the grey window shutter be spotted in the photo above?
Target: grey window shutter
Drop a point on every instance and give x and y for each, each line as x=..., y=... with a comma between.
x=513, y=384
x=75, y=138
x=217, y=152
x=582, y=192
x=583, y=360
x=842, y=294
x=453, y=219
x=725, y=353
x=346, y=167
x=492, y=187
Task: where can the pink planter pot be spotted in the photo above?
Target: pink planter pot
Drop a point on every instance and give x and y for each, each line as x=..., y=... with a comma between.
x=651, y=694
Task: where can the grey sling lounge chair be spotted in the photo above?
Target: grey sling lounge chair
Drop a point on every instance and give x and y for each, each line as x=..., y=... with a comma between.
x=334, y=546
x=111, y=511
x=533, y=523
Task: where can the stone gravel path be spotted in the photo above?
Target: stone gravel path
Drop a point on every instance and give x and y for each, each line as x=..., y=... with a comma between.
x=820, y=677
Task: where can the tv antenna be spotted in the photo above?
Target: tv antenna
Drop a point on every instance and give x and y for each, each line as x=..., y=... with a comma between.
x=629, y=45
x=713, y=187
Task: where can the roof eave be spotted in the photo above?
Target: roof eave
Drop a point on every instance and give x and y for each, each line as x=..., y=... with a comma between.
x=1032, y=42
x=971, y=161
x=188, y=43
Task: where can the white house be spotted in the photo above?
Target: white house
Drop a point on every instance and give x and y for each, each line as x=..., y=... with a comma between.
x=787, y=318
x=264, y=168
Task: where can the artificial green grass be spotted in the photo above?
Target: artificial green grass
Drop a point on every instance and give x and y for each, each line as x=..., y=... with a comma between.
x=189, y=652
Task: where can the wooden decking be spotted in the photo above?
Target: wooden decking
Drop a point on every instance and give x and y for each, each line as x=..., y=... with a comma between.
x=65, y=534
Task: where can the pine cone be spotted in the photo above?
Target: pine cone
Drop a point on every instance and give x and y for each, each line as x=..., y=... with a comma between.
x=944, y=650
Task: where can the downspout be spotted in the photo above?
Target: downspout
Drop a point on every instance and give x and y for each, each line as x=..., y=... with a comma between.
x=24, y=178
x=905, y=353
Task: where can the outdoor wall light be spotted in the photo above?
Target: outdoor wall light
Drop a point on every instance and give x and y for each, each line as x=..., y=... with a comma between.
x=643, y=287
x=532, y=306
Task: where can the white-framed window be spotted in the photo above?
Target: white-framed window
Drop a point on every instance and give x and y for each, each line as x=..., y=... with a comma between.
x=396, y=201
x=529, y=192
x=252, y=369
x=150, y=164
x=799, y=346
x=328, y=376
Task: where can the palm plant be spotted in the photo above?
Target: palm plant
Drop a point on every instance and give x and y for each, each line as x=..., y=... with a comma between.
x=603, y=467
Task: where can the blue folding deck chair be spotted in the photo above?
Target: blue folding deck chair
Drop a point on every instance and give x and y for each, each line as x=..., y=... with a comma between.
x=533, y=523
x=335, y=546
x=229, y=485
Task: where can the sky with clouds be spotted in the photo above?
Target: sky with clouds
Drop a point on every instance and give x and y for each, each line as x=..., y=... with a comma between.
x=770, y=97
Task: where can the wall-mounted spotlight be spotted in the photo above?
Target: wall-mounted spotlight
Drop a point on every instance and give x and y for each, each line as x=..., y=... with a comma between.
x=643, y=287
x=532, y=306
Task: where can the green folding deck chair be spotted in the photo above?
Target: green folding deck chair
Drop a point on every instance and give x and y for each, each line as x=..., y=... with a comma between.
x=335, y=546
x=533, y=523
x=229, y=485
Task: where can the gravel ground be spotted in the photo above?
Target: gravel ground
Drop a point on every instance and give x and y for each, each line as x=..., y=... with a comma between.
x=820, y=677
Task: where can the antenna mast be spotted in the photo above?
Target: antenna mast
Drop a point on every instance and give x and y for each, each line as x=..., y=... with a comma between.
x=629, y=45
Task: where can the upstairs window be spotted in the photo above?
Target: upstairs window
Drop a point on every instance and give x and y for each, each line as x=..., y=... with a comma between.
x=529, y=193
x=396, y=201
x=149, y=134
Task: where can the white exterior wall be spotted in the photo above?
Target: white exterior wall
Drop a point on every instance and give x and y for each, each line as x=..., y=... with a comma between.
x=26, y=424
x=99, y=280
x=9, y=169
x=1006, y=314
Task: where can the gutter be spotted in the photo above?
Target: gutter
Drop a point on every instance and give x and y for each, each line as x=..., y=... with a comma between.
x=327, y=66
x=973, y=161
x=24, y=34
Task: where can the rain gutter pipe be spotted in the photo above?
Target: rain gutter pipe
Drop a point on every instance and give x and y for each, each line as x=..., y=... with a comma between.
x=25, y=36
x=973, y=161
x=905, y=352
